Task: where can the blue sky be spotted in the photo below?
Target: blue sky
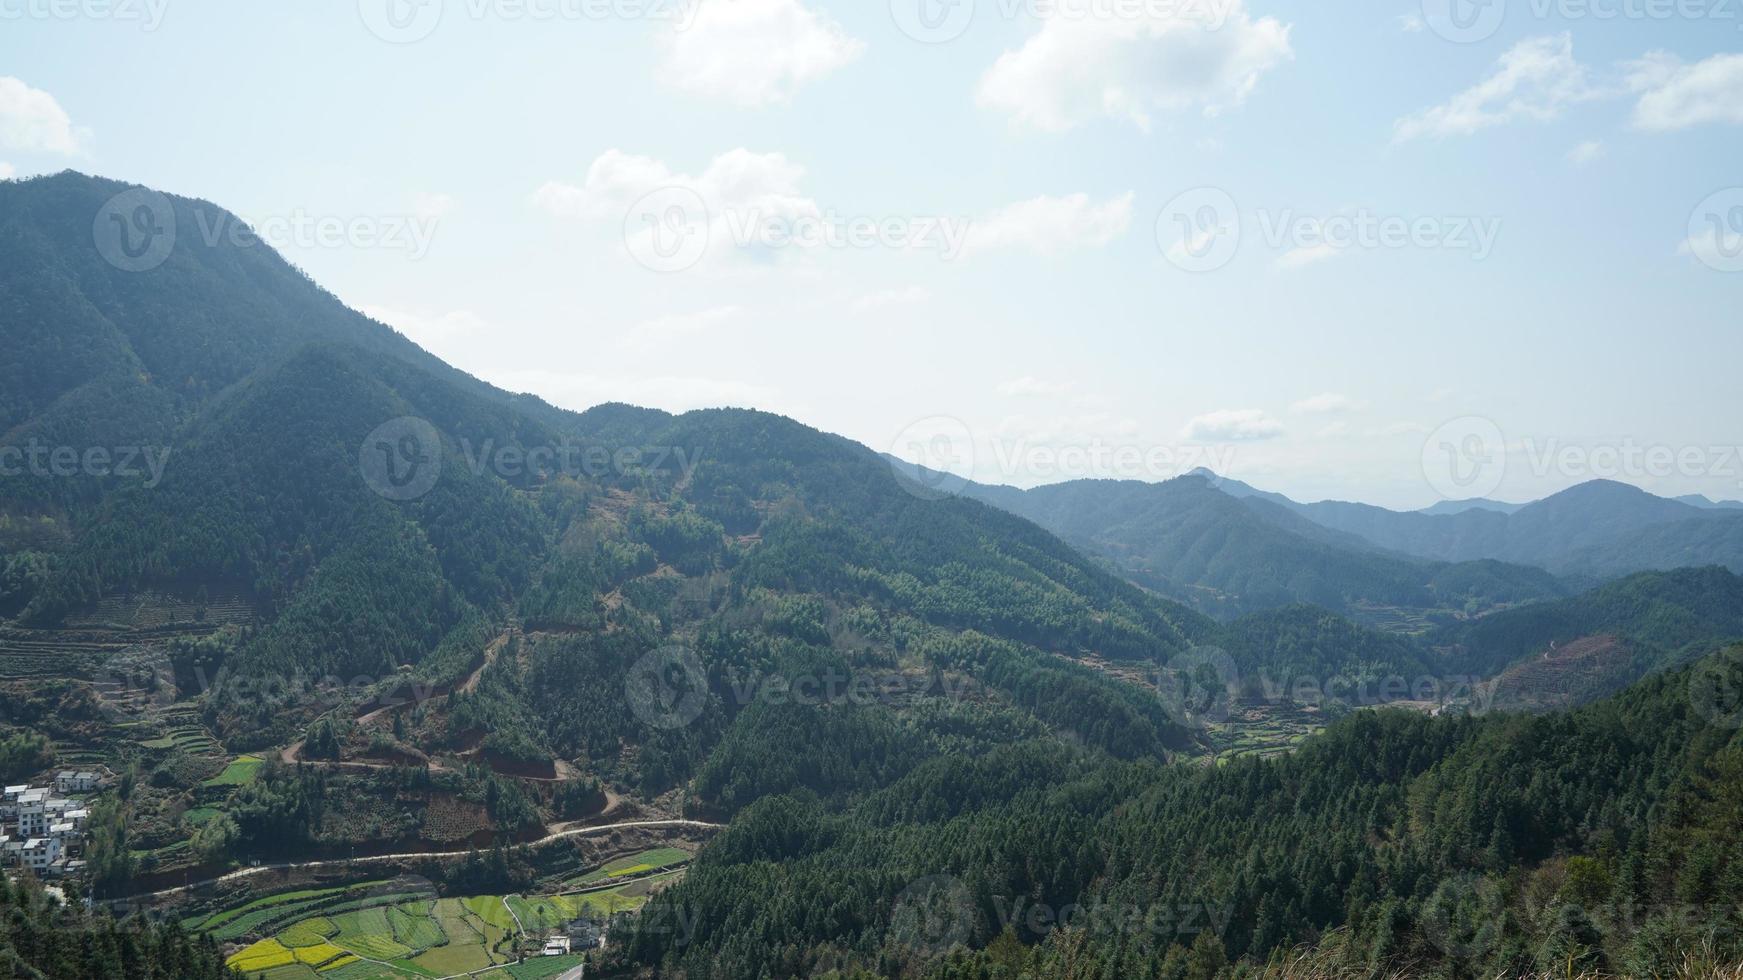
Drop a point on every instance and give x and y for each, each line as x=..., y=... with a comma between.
x=1551, y=311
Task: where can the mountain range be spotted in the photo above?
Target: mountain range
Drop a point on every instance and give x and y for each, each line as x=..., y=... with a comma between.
x=1227, y=548
x=1065, y=684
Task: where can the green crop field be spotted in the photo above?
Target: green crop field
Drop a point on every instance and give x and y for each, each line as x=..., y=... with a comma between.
x=240, y=772
x=199, y=815
x=635, y=864
x=319, y=931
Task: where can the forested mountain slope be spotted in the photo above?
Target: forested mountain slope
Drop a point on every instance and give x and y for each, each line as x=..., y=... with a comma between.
x=1227, y=556
x=1605, y=838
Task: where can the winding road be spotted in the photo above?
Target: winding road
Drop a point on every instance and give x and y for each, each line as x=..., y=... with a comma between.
x=382, y=858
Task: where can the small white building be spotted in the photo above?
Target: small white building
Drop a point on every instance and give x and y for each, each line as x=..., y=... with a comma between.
x=39, y=852
x=557, y=946
x=68, y=781
x=33, y=815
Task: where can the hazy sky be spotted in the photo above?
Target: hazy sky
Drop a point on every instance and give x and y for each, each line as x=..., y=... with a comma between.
x=1318, y=246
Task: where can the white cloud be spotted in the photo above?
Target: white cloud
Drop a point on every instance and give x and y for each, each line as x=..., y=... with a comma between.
x=753, y=52
x=1048, y=225
x=1412, y=24
x=1088, y=62
x=1306, y=255
x=31, y=120
x=1675, y=96
x=736, y=192
x=1330, y=403
x=1333, y=430
x=1535, y=80
x=1232, y=425
x=883, y=299
x=1401, y=429
x=1028, y=386
x=6, y=171
x=1585, y=153
x=661, y=332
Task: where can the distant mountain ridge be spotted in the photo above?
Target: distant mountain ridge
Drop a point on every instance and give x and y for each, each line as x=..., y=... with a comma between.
x=1230, y=556
x=1600, y=528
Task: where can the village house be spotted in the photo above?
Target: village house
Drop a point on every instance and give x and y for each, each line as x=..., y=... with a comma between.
x=39, y=852
x=68, y=781
x=47, y=826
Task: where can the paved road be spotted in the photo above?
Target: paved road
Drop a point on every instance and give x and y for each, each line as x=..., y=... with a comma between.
x=378, y=858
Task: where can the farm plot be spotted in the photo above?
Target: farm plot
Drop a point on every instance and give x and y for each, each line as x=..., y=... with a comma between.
x=636, y=864
x=415, y=936
x=240, y=772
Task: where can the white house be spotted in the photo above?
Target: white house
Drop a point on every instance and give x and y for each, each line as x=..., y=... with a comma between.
x=557, y=946
x=33, y=815
x=68, y=781
x=40, y=852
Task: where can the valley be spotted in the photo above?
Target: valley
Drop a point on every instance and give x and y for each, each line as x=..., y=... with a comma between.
x=715, y=693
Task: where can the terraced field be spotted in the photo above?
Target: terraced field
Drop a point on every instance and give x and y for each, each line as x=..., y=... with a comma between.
x=57, y=653
x=325, y=934
x=1264, y=729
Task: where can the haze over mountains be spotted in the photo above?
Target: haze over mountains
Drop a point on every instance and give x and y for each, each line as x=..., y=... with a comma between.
x=1226, y=547
x=1097, y=694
